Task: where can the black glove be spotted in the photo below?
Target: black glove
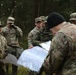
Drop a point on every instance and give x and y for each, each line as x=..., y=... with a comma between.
x=13, y=26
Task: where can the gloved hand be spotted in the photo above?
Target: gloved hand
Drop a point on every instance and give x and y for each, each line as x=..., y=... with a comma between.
x=13, y=26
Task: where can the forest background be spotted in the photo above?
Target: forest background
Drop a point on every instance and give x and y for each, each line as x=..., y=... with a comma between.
x=25, y=12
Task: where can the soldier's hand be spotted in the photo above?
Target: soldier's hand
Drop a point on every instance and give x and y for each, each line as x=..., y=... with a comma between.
x=31, y=46
x=13, y=26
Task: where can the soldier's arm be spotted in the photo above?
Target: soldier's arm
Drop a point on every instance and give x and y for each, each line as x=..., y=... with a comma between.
x=30, y=45
x=33, y=38
x=57, y=53
x=37, y=40
x=19, y=32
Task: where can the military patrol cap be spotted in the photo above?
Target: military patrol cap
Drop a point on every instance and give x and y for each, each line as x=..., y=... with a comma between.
x=46, y=19
x=43, y=18
x=10, y=20
x=73, y=16
x=54, y=19
x=38, y=19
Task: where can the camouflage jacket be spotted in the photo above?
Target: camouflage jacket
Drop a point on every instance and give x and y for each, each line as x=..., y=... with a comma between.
x=12, y=35
x=3, y=46
x=33, y=37
x=62, y=54
x=44, y=35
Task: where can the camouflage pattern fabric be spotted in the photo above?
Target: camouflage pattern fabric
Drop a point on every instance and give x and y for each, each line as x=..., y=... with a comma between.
x=45, y=35
x=33, y=37
x=62, y=54
x=17, y=50
x=12, y=34
x=3, y=46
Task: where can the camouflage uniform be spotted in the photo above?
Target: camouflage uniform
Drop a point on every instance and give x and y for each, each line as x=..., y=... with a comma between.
x=37, y=36
x=62, y=54
x=12, y=35
x=33, y=34
x=33, y=37
x=44, y=35
x=3, y=48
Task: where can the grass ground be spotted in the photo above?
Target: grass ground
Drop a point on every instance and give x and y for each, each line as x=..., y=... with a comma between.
x=21, y=71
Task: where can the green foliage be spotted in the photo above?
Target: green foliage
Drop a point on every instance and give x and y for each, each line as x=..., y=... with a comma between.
x=23, y=42
x=21, y=70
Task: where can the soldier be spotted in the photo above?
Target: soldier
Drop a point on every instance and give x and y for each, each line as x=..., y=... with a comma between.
x=73, y=18
x=33, y=34
x=3, y=47
x=41, y=36
x=62, y=54
x=44, y=35
x=12, y=33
